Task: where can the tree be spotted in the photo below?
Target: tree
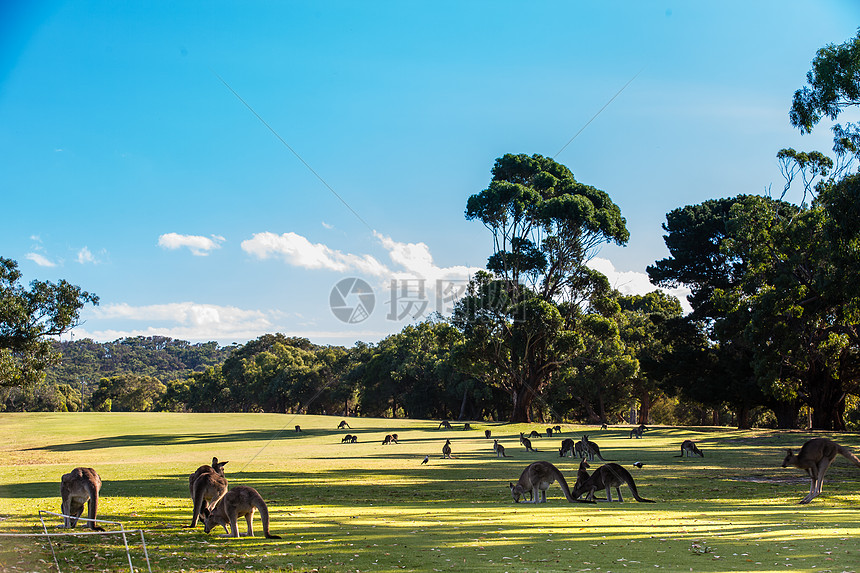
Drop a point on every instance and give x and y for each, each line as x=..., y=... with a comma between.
x=523, y=321
x=28, y=320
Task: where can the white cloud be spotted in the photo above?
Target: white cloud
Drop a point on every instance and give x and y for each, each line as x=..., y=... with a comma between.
x=85, y=256
x=296, y=250
x=416, y=260
x=199, y=245
x=327, y=225
x=40, y=260
x=634, y=282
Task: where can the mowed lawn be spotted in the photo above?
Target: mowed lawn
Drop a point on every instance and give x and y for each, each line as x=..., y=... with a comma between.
x=373, y=508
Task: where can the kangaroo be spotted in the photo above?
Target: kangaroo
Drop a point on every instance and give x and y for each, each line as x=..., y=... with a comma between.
x=689, y=449
x=526, y=442
x=815, y=456
x=606, y=477
x=487, y=434
x=239, y=501
x=446, y=449
x=567, y=446
x=298, y=428
x=343, y=425
x=353, y=440
x=591, y=449
x=556, y=429
x=603, y=426
x=347, y=439
x=499, y=449
x=549, y=432
x=467, y=426
x=389, y=439
x=207, y=486
x=77, y=487
x=444, y=424
x=581, y=474
x=535, y=434
x=637, y=432
x=536, y=479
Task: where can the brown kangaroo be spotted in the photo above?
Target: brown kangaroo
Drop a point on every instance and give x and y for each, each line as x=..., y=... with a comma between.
x=77, y=487
x=815, y=456
x=207, y=486
x=499, y=449
x=690, y=449
x=527, y=443
x=238, y=502
x=591, y=449
x=536, y=479
x=446, y=449
x=487, y=434
x=343, y=425
x=390, y=439
x=606, y=477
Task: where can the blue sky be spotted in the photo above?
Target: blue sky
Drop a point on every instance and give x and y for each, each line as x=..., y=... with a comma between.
x=128, y=167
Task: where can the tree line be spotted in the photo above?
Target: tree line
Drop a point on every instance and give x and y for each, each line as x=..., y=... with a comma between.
x=772, y=338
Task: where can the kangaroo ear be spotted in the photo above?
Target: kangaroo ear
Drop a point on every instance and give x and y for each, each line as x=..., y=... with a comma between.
x=788, y=451
x=214, y=462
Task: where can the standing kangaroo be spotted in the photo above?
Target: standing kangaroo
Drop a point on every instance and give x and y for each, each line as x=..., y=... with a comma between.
x=637, y=432
x=815, y=456
x=591, y=449
x=487, y=434
x=499, y=449
x=581, y=474
x=606, y=477
x=77, y=487
x=446, y=449
x=690, y=449
x=238, y=502
x=527, y=443
x=207, y=486
x=536, y=478
x=567, y=447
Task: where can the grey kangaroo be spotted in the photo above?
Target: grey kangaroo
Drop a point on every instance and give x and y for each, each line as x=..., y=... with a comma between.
x=638, y=431
x=536, y=478
x=606, y=477
x=815, y=456
x=446, y=449
x=690, y=449
x=207, y=486
x=78, y=487
x=591, y=449
x=241, y=501
x=527, y=443
x=499, y=449
x=567, y=447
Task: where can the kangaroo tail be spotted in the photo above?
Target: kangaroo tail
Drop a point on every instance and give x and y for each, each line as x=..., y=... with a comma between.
x=199, y=504
x=264, y=517
x=847, y=453
x=636, y=495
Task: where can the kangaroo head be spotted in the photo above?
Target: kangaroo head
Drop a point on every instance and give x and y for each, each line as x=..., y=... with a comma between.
x=789, y=456
x=218, y=466
x=516, y=491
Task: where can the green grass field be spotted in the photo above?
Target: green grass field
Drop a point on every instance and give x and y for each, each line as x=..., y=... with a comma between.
x=373, y=508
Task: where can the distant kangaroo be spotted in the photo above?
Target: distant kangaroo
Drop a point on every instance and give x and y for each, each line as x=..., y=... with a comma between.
x=637, y=432
x=527, y=443
x=389, y=439
x=556, y=429
x=549, y=432
x=815, y=456
x=238, y=502
x=499, y=449
x=536, y=479
x=487, y=434
x=535, y=434
x=444, y=424
x=606, y=477
x=207, y=486
x=298, y=428
x=590, y=449
x=467, y=426
x=690, y=449
x=347, y=439
x=343, y=425
x=446, y=449
x=567, y=447
x=77, y=487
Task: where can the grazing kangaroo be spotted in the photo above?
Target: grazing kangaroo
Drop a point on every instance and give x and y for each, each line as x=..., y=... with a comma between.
x=536, y=479
x=637, y=432
x=567, y=446
x=535, y=434
x=591, y=449
x=606, y=477
x=207, y=486
x=487, y=434
x=526, y=442
x=556, y=429
x=347, y=439
x=444, y=424
x=78, y=487
x=499, y=449
x=390, y=438
x=446, y=449
x=689, y=449
x=238, y=502
x=815, y=456
x=343, y=425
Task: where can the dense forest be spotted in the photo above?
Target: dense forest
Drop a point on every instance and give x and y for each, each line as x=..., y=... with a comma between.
x=773, y=337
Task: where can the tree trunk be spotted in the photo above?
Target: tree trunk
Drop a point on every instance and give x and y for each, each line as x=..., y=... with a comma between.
x=743, y=414
x=463, y=404
x=786, y=414
x=522, y=398
x=644, y=407
x=826, y=398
